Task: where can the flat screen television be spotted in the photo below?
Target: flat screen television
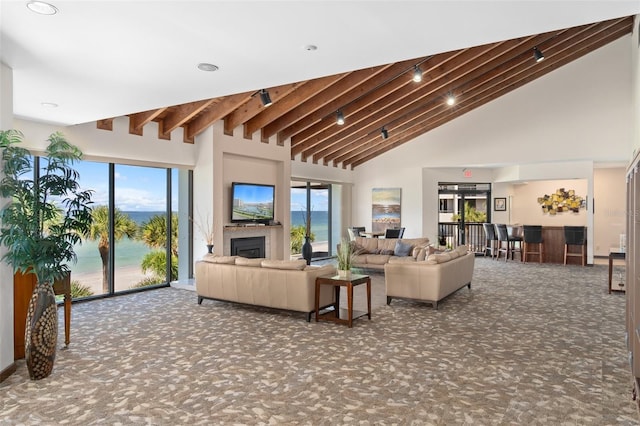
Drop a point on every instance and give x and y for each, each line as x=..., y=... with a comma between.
x=252, y=202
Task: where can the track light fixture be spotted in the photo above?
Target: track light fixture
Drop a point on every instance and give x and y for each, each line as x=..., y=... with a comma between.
x=385, y=133
x=265, y=98
x=537, y=54
x=451, y=100
x=417, y=74
x=339, y=118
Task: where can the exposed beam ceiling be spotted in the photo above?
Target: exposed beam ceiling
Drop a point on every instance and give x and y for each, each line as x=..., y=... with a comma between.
x=382, y=96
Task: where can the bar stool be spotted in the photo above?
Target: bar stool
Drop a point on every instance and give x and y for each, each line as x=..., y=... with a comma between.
x=575, y=236
x=491, y=241
x=532, y=235
x=507, y=243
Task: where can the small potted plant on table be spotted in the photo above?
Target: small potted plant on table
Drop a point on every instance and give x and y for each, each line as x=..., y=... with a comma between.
x=344, y=256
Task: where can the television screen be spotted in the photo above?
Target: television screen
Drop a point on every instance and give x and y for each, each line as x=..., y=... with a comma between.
x=252, y=202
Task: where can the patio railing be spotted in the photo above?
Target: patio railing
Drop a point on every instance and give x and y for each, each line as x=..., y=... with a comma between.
x=454, y=235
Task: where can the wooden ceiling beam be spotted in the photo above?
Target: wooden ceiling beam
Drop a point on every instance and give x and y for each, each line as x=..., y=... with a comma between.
x=522, y=55
x=513, y=68
x=181, y=115
x=411, y=130
x=367, y=82
x=138, y=120
x=395, y=78
x=290, y=117
x=225, y=106
x=399, y=103
x=310, y=89
x=105, y=124
x=253, y=106
x=326, y=102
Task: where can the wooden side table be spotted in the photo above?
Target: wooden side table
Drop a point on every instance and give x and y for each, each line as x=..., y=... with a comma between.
x=337, y=282
x=614, y=255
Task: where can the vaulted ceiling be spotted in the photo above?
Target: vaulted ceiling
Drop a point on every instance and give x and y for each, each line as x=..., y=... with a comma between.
x=381, y=97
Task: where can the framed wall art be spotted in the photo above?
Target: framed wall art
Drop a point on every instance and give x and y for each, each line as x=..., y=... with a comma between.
x=500, y=204
x=385, y=208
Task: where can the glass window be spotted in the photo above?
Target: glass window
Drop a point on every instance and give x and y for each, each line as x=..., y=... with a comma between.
x=140, y=230
x=90, y=275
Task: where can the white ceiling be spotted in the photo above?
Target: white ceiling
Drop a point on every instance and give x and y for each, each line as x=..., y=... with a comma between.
x=101, y=59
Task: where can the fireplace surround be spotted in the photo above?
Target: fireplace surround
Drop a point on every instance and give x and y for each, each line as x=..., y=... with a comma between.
x=251, y=247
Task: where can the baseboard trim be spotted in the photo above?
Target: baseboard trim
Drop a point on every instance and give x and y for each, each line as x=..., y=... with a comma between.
x=4, y=374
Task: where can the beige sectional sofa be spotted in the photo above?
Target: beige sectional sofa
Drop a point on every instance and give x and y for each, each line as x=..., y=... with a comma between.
x=431, y=279
x=280, y=284
x=374, y=253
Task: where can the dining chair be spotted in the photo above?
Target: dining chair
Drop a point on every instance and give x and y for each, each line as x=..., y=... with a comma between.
x=532, y=242
x=575, y=236
x=393, y=232
x=358, y=230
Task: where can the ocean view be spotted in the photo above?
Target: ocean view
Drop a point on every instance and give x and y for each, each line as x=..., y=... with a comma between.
x=128, y=252
x=319, y=222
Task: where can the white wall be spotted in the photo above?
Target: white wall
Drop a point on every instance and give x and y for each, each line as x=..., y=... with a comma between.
x=6, y=272
x=610, y=207
x=527, y=211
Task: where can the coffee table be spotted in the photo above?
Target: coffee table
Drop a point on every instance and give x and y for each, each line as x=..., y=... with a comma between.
x=349, y=282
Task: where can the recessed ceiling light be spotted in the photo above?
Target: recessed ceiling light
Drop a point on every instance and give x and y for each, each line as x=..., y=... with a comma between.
x=311, y=47
x=42, y=8
x=49, y=104
x=203, y=66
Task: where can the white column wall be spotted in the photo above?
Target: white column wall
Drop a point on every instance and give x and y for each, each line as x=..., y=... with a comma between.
x=6, y=272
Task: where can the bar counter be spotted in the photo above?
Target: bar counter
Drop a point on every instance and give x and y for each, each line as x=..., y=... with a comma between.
x=553, y=242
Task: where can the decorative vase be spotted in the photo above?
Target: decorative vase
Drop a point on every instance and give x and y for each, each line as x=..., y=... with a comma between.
x=41, y=332
x=344, y=273
x=209, y=248
x=307, y=250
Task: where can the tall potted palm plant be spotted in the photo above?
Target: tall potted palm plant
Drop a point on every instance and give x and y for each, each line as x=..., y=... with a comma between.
x=47, y=215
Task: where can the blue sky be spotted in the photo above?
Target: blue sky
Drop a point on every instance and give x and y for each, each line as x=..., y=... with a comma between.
x=137, y=188
x=319, y=199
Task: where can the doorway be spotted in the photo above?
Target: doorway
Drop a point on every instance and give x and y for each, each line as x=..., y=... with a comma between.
x=462, y=209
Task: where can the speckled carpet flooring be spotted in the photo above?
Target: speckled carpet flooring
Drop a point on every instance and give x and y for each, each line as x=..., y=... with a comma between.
x=527, y=345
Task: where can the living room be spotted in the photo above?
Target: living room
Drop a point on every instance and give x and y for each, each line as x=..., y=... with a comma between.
x=571, y=124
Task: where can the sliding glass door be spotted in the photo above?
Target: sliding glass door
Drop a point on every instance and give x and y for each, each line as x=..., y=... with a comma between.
x=311, y=215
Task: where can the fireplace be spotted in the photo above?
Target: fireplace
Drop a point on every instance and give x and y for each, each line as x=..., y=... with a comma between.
x=251, y=247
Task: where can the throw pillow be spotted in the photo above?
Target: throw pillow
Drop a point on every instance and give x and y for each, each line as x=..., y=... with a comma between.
x=402, y=249
x=387, y=252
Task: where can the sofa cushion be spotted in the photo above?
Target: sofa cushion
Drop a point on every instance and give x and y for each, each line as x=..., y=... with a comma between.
x=369, y=244
x=212, y=258
x=357, y=248
x=244, y=261
x=387, y=243
x=419, y=253
x=403, y=259
x=439, y=257
x=402, y=249
x=299, y=264
x=377, y=259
